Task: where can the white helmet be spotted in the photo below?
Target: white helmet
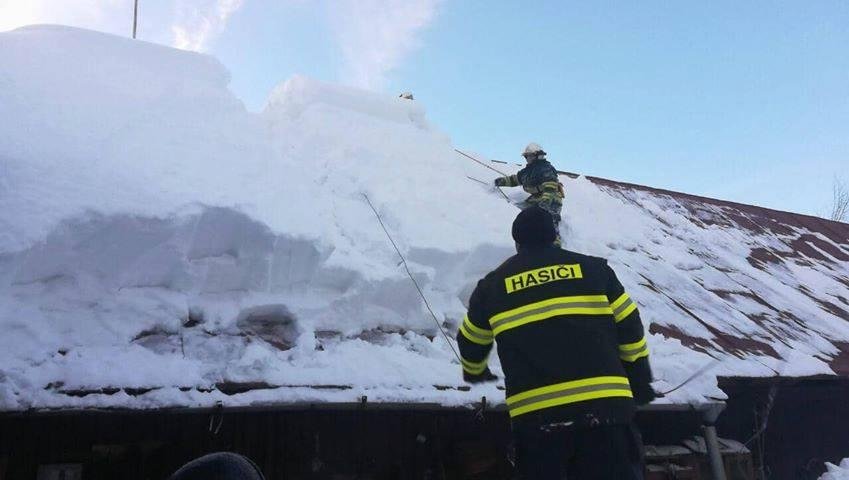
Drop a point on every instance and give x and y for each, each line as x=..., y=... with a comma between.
x=533, y=150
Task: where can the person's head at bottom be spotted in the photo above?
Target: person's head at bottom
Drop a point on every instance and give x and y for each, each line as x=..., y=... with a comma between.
x=533, y=229
x=219, y=466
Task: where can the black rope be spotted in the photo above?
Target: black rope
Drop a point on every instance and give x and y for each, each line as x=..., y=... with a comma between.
x=499, y=188
x=478, y=161
x=409, y=274
x=487, y=166
x=689, y=379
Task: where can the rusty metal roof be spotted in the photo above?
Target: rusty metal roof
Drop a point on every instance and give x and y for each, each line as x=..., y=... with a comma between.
x=794, y=252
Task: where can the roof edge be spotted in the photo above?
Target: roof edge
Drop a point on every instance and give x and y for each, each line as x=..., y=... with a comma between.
x=700, y=198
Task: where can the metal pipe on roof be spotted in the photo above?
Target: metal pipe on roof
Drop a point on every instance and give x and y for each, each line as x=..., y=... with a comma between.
x=714, y=452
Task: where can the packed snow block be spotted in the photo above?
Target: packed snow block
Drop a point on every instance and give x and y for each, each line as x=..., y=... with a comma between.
x=233, y=249
x=51, y=88
x=334, y=279
x=294, y=263
x=227, y=273
x=96, y=122
x=367, y=305
x=293, y=97
x=399, y=296
x=163, y=265
x=8, y=267
x=102, y=247
x=472, y=264
x=226, y=232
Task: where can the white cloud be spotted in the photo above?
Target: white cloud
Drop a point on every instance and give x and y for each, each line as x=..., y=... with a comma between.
x=193, y=25
x=376, y=35
x=199, y=22
x=113, y=16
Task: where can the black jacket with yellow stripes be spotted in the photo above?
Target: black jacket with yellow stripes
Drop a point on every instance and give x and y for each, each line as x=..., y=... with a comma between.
x=539, y=178
x=570, y=339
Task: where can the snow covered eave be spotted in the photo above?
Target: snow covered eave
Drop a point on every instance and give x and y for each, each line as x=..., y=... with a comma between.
x=700, y=408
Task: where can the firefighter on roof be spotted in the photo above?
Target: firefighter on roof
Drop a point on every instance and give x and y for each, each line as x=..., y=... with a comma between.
x=574, y=355
x=539, y=178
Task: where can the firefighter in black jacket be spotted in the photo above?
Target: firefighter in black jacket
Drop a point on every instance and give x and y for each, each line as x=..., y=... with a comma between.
x=539, y=178
x=574, y=355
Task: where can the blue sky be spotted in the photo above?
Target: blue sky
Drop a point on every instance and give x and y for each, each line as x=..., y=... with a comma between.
x=745, y=101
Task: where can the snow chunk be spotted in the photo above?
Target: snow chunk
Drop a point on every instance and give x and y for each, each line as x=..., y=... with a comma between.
x=837, y=472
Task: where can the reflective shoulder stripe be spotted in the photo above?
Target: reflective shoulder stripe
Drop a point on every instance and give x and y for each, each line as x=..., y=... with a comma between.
x=630, y=352
x=622, y=307
x=474, y=368
x=568, y=392
x=534, y=312
x=475, y=334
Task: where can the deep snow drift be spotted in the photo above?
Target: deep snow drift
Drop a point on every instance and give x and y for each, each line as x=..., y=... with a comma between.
x=162, y=246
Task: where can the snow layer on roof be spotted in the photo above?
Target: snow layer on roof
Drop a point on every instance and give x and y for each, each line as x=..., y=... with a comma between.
x=161, y=246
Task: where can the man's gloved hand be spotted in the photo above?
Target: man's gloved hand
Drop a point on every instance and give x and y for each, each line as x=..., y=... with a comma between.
x=483, y=377
x=500, y=182
x=643, y=394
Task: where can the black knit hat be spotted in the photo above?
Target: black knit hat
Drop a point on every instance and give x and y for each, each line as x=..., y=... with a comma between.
x=534, y=226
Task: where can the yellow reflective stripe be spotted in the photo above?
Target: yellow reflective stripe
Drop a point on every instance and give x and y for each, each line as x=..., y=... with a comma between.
x=619, y=301
x=630, y=352
x=475, y=334
x=567, y=399
x=584, y=382
x=473, y=338
x=554, y=312
x=474, y=328
x=568, y=392
x=544, y=303
x=622, y=307
x=623, y=314
x=544, y=187
x=534, y=312
x=474, y=368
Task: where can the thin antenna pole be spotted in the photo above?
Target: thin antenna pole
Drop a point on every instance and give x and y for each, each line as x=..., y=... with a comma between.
x=135, y=16
x=409, y=274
